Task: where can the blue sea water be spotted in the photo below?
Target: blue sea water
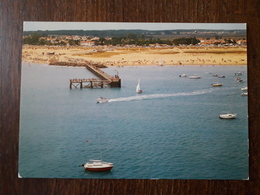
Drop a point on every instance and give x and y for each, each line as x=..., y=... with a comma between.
x=171, y=131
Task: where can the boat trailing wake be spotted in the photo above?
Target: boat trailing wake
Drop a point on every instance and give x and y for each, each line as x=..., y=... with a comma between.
x=155, y=96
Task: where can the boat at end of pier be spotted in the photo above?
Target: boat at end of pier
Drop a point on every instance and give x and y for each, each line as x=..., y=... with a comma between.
x=102, y=100
x=97, y=165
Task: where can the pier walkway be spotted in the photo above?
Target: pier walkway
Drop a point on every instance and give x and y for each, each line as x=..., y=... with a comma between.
x=103, y=81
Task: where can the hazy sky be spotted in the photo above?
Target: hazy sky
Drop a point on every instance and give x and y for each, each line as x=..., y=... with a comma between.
x=33, y=26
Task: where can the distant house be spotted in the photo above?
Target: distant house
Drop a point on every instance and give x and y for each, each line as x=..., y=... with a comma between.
x=87, y=43
x=211, y=41
x=95, y=39
x=76, y=37
x=242, y=42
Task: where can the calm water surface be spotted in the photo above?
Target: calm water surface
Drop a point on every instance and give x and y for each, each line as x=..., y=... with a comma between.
x=171, y=131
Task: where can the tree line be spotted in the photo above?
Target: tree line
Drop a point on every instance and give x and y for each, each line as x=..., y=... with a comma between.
x=123, y=32
x=132, y=39
x=36, y=39
x=129, y=39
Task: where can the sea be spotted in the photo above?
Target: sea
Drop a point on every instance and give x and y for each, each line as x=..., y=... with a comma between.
x=170, y=131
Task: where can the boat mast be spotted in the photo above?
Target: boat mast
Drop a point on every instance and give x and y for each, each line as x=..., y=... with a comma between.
x=100, y=146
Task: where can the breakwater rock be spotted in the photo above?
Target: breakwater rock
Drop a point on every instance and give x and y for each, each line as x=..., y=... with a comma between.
x=78, y=64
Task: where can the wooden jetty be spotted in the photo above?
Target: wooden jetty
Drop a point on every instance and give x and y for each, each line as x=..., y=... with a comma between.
x=103, y=81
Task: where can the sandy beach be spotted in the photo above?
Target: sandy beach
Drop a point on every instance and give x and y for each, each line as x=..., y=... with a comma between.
x=131, y=56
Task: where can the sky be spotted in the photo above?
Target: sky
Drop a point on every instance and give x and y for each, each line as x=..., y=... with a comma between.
x=34, y=26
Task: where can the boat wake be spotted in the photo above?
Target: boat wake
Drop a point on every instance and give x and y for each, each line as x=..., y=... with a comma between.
x=157, y=96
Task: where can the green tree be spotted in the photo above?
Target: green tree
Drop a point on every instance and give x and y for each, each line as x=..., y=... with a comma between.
x=32, y=40
x=142, y=37
x=73, y=42
x=186, y=41
x=131, y=36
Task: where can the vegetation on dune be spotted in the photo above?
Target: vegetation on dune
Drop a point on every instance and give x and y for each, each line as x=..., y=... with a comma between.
x=186, y=41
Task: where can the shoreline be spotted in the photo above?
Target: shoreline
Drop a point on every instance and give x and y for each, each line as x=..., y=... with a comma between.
x=123, y=56
x=68, y=65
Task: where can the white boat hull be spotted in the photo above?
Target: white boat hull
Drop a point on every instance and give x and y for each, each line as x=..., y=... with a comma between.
x=216, y=85
x=244, y=89
x=228, y=116
x=194, y=77
x=102, y=100
x=98, y=166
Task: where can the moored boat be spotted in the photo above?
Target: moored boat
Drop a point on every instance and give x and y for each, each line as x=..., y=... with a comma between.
x=97, y=166
x=244, y=89
x=238, y=73
x=182, y=75
x=216, y=84
x=194, y=77
x=228, y=115
x=244, y=94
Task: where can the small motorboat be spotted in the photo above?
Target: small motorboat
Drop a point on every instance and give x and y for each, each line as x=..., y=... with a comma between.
x=238, y=74
x=194, y=77
x=244, y=94
x=240, y=81
x=221, y=76
x=182, y=75
x=102, y=100
x=228, y=115
x=244, y=89
x=97, y=166
x=216, y=84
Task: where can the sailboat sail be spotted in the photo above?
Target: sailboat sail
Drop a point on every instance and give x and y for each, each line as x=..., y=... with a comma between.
x=138, y=88
x=161, y=63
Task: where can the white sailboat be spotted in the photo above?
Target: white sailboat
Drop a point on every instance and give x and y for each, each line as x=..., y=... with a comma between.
x=98, y=165
x=161, y=63
x=138, y=87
